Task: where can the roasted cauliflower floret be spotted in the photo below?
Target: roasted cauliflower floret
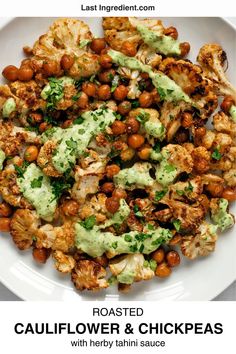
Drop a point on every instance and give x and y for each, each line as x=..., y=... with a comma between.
x=219, y=213
x=10, y=142
x=230, y=177
x=44, y=159
x=64, y=263
x=201, y=159
x=212, y=58
x=148, y=56
x=202, y=244
x=94, y=206
x=84, y=186
x=93, y=164
x=131, y=268
x=24, y=227
x=189, y=190
x=224, y=124
x=89, y=275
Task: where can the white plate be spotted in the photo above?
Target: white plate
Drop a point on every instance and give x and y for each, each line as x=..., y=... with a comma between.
x=202, y=279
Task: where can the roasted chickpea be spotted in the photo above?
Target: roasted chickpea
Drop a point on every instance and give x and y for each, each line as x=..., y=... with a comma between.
x=89, y=88
x=25, y=73
x=185, y=48
x=51, y=68
x=144, y=76
x=172, y=32
x=5, y=209
x=106, y=76
x=40, y=255
x=107, y=187
x=215, y=189
x=227, y=103
x=187, y=120
x=119, y=193
x=127, y=154
x=31, y=153
x=182, y=136
x=98, y=44
x=44, y=126
x=124, y=108
x=128, y=48
x=102, y=260
x=132, y=125
x=104, y=92
x=144, y=153
x=5, y=224
x=124, y=288
x=112, y=170
x=173, y=258
x=158, y=255
x=36, y=117
x=120, y=93
x=70, y=208
x=67, y=61
x=163, y=270
x=112, y=204
x=145, y=99
x=118, y=127
x=106, y=61
x=229, y=194
x=83, y=100
x=10, y=73
x=175, y=240
x=135, y=141
x=67, y=123
x=155, y=96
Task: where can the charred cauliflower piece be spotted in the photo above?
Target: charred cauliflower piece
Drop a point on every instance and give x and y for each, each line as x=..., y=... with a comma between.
x=190, y=190
x=63, y=263
x=24, y=227
x=84, y=186
x=130, y=268
x=230, y=177
x=202, y=244
x=212, y=59
x=201, y=159
x=224, y=124
x=94, y=206
x=220, y=215
x=44, y=159
x=89, y=275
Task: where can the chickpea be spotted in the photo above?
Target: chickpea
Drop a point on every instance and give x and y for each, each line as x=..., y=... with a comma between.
x=173, y=258
x=44, y=126
x=70, y=208
x=25, y=73
x=155, y=96
x=97, y=45
x=112, y=170
x=36, y=117
x=205, y=203
x=102, y=260
x=132, y=125
x=229, y=194
x=5, y=210
x=128, y=49
x=127, y=154
x=163, y=270
x=106, y=61
x=185, y=48
x=40, y=255
x=124, y=288
x=67, y=123
x=144, y=76
x=50, y=68
x=144, y=153
x=67, y=61
x=5, y=224
x=118, y=127
x=124, y=108
x=120, y=93
x=172, y=32
x=31, y=153
x=215, y=189
x=119, y=193
x=145, y=99
x=107, y=187
x=112, y=204
x=227, y=103
x=83, y=100
x=175, y=240
x=182, y=136
x=104, y=92
x=187, y=120
x=89, y=88
x=135, y=141
x=106, y=76
x=158, y=255
x=10, y=73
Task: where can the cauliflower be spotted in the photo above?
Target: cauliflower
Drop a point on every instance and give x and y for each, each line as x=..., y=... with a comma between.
x=224, y=124
x=191, y=189
x=230, y=177
x=201, y=159
x=130, y=268
x=210, y=178
x=212, y=58
x=202, y=244
x=85, y=185
x=10, y=142
x=89, y=275
x=219, y=213
x=63, y=263
x=94, y=205
x=44, y=159
x=148, y=56
x=93, y=164
x=24, y=227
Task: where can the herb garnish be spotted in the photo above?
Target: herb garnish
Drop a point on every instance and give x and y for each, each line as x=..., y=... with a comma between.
x=37, y=182
x=89, y=222
x=216, y=155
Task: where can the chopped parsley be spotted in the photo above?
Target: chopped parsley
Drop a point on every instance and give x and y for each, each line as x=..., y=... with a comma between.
x=114, y=245
x=157, y=147
x=189, y=188
x=137, y=212
x=150, y=227
x=135, y=104
x=89, y=222
x=160, y=194
x=71, y=144
x=216, y=155
x=142, y=236
x=78, y=120
x=133, y=248
x=180, y=192
x=37, y=182
x=177, y=224
x=143, y=117
x=56, y=92
x=169, y=168
x=141, y=248
x=84, y=42
x=162, y=93
x=59, y=185
x=128, y=238
x=150, y=264
x=76, y=97
x=20, y=170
